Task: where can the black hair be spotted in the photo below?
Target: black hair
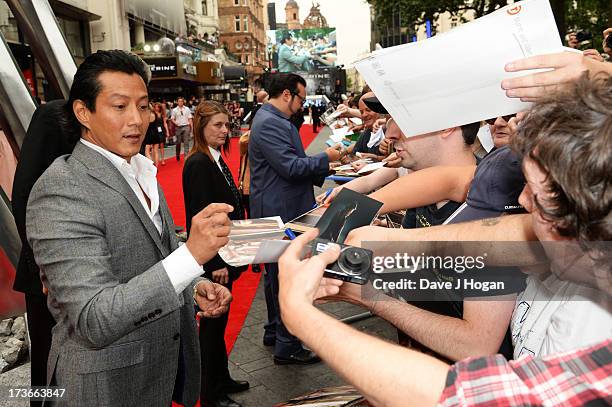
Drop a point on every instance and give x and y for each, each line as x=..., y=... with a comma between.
x=285, y=81
x=469, y=132
x=86, y=86
x=285, y=38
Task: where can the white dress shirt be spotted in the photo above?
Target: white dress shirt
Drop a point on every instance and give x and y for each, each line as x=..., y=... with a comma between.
x=216, y=154
x=181, y=116
x=140, y=174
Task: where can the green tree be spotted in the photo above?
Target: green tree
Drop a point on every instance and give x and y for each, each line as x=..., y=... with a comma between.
x=589, y=15
x=414, y=13
x=571, y=15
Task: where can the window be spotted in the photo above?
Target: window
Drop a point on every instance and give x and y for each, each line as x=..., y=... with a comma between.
x=72, y=31
x=236, y=2
x=294, y=16
x=246, y=59
x=237, y=22
x=246, y=23
x=205, y=7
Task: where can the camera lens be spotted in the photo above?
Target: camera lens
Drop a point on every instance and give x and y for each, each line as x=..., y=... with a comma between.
x=353, y=261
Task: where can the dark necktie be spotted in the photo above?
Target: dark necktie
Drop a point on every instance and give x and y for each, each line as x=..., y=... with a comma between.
x=238, y=209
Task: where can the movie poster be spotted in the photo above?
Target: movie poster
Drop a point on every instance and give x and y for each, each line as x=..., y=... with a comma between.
x=306, y=50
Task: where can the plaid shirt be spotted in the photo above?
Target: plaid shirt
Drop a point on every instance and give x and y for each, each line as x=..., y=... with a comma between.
x=569, y=379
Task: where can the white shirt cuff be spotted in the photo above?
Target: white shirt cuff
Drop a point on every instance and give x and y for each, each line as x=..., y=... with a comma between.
x=181, y=268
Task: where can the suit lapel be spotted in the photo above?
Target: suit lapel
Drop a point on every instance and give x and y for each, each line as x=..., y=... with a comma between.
x=167, y=222
x=103, y=170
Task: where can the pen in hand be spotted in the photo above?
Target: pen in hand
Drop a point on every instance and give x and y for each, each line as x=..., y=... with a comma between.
x=327, y=194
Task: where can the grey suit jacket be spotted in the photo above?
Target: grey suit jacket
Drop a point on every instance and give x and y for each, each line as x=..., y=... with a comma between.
x=120, y=323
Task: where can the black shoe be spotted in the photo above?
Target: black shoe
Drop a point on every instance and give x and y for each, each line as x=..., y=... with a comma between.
x=301, y=357
x=235, y=386
x=256, y=268
x=222, y=401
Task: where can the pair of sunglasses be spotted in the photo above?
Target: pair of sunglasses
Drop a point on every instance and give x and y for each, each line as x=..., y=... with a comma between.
x=506, y=118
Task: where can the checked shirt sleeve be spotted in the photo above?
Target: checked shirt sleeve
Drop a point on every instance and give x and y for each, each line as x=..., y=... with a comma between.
x=579, y=377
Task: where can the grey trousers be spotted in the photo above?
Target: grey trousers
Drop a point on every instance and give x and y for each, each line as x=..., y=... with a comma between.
x=183, y=135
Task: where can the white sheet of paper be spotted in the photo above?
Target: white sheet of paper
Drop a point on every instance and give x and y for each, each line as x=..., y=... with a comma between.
x=371, y=167
x=346, y=167
x=356, y=120
x=340, y=133
x=270, y=251
x=455, y=78
x=486, y=140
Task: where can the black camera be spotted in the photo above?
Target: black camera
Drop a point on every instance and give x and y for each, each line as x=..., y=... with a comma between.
x=608, y=41
x=582, y=36
x=353, y=265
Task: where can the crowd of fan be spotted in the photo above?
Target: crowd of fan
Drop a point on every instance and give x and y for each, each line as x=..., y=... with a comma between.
x=546, y=179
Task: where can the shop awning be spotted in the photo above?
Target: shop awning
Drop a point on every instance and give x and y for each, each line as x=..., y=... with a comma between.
x=70, y=11
x=234, y=73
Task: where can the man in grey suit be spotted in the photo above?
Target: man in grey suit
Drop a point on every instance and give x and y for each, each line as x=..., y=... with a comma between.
x=119, y=288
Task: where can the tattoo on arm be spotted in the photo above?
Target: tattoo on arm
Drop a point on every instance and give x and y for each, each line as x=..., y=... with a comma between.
x=490, y=222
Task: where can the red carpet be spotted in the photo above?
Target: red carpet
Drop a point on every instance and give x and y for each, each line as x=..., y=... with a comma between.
x=12, y=303
x=169, y=177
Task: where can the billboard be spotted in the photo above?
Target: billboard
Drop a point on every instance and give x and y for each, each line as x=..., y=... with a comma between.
x=324, y=82
x=306, y=50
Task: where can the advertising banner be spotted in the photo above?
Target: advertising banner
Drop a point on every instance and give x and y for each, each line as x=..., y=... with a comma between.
x=305, y=50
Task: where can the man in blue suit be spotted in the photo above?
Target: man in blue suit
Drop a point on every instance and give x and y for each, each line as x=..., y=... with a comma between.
x=282, y=176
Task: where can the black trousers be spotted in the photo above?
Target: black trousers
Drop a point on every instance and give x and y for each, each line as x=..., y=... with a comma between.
x=213, y=351
x=40, y=323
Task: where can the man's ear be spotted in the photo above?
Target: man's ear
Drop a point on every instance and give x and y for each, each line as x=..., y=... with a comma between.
x=287, y=93
x=81, y=112
x=447, y=132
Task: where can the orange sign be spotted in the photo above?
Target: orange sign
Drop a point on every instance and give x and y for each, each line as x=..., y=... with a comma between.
x=514, y=10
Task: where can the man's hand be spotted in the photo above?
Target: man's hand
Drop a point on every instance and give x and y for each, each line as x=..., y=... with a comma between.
x=221, y=276
x=572, y=41
x=383, y=147
x=336, y=152
x=377, y=125
x=212, y=298
x=347, y=111
x=607, y=32
x=323, y=200
x=358, y=165
x=593, y=54
x=566, y=67
x=514, y=122
x=209, y=232
x=301, y=282
x=393, y=161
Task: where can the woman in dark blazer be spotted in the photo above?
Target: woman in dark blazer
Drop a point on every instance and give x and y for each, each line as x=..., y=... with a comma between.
x=206, y=179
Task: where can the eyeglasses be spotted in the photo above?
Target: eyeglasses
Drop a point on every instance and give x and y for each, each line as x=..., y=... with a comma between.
x=302, y=99
x=506, y=118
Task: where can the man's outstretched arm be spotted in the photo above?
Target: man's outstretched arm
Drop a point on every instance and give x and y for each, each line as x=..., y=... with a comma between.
x=426, y=187
x=479, y=333
x=386, y=374
x=457, y=238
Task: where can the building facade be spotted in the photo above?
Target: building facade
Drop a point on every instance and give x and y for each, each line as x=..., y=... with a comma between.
x=243, y=33
x=292, y=15
x=74, y=19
